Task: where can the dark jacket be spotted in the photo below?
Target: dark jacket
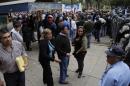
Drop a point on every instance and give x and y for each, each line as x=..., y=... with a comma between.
x=27, y=33
x=52, y=27
x=97, y=25
x=80, y=23
x=88, y=26
x=44, y=52
x=62, y=45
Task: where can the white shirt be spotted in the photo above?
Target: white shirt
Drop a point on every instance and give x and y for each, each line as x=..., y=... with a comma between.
x=16, y=35
x=73, y=25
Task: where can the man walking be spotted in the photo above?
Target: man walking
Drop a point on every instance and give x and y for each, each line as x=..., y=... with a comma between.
x=9, y=51
x=88, y=26
x=63, y=50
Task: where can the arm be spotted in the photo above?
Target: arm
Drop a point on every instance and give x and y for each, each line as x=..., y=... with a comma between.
x=17, y=36
x=24, y=55
x=1, y=65
x=109, y=81
x=1, y=83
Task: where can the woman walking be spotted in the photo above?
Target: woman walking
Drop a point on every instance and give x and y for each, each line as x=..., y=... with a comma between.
x=80, y=49
x=46, y=54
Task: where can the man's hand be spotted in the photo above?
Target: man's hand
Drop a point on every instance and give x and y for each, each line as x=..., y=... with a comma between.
x=68, y=54
x=1, y=83
x=57, y=60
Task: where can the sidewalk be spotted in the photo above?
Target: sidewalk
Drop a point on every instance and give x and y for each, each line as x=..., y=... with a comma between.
x=94, y=66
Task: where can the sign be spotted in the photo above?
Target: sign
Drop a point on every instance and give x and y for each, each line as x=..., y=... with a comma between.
x=44, y=6
x=71, y=7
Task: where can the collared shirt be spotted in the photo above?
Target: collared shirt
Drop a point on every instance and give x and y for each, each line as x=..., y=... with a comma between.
x=117, y=74
x=51, y=48
x=8, y=58
x=63, y=34
x=16, y=35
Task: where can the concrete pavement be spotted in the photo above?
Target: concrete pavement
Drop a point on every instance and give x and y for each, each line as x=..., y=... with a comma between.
x=94, y=65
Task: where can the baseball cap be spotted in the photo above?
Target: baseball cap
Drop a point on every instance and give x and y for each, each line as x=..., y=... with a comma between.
x=115, y=51
x=50, y=16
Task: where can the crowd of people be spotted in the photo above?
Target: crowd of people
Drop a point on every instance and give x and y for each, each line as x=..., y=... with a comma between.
x=56, y=32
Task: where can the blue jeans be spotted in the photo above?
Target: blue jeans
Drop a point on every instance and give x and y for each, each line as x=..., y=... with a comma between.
x=73, y=34
x=89, y=39
x=63, y=68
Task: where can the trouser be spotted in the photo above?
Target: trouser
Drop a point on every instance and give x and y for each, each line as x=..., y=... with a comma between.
x=125, y=43
x=89, y=39
x=97, y=35
x=28, y=45
x=73, y=34
x=47, y=74
x=15, y=79
x=63, y=68
x=127, y=59
x=80, y=60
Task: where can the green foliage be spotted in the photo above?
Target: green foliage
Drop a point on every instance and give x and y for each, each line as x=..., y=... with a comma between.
x=120, y=2
x=70, y=1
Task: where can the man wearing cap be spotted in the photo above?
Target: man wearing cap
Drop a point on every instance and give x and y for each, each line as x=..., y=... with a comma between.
x=9, y=51
x=51, y=24
x=118, y=73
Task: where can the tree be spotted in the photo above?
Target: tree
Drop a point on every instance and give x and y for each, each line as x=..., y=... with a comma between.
x=88, y=3
x=44, y=0
x=120, y=2
x=99, y=3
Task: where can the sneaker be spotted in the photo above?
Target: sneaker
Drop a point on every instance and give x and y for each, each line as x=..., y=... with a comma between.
x=77, y=71
x=79, y=76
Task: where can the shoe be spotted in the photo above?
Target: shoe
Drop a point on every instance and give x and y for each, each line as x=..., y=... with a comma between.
x=67, y=75
x=65, y=82
x=44, y=82
x=30, y=49
x=77, y=71
x=88, y=47
x=79, y=76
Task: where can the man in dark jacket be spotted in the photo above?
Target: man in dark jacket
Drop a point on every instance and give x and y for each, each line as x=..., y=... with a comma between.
x=63, y=50
x=97, y=28
x=88, y=26
x=51, y=24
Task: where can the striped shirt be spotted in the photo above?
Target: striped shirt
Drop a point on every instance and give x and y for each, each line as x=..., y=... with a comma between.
x=7, y=58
